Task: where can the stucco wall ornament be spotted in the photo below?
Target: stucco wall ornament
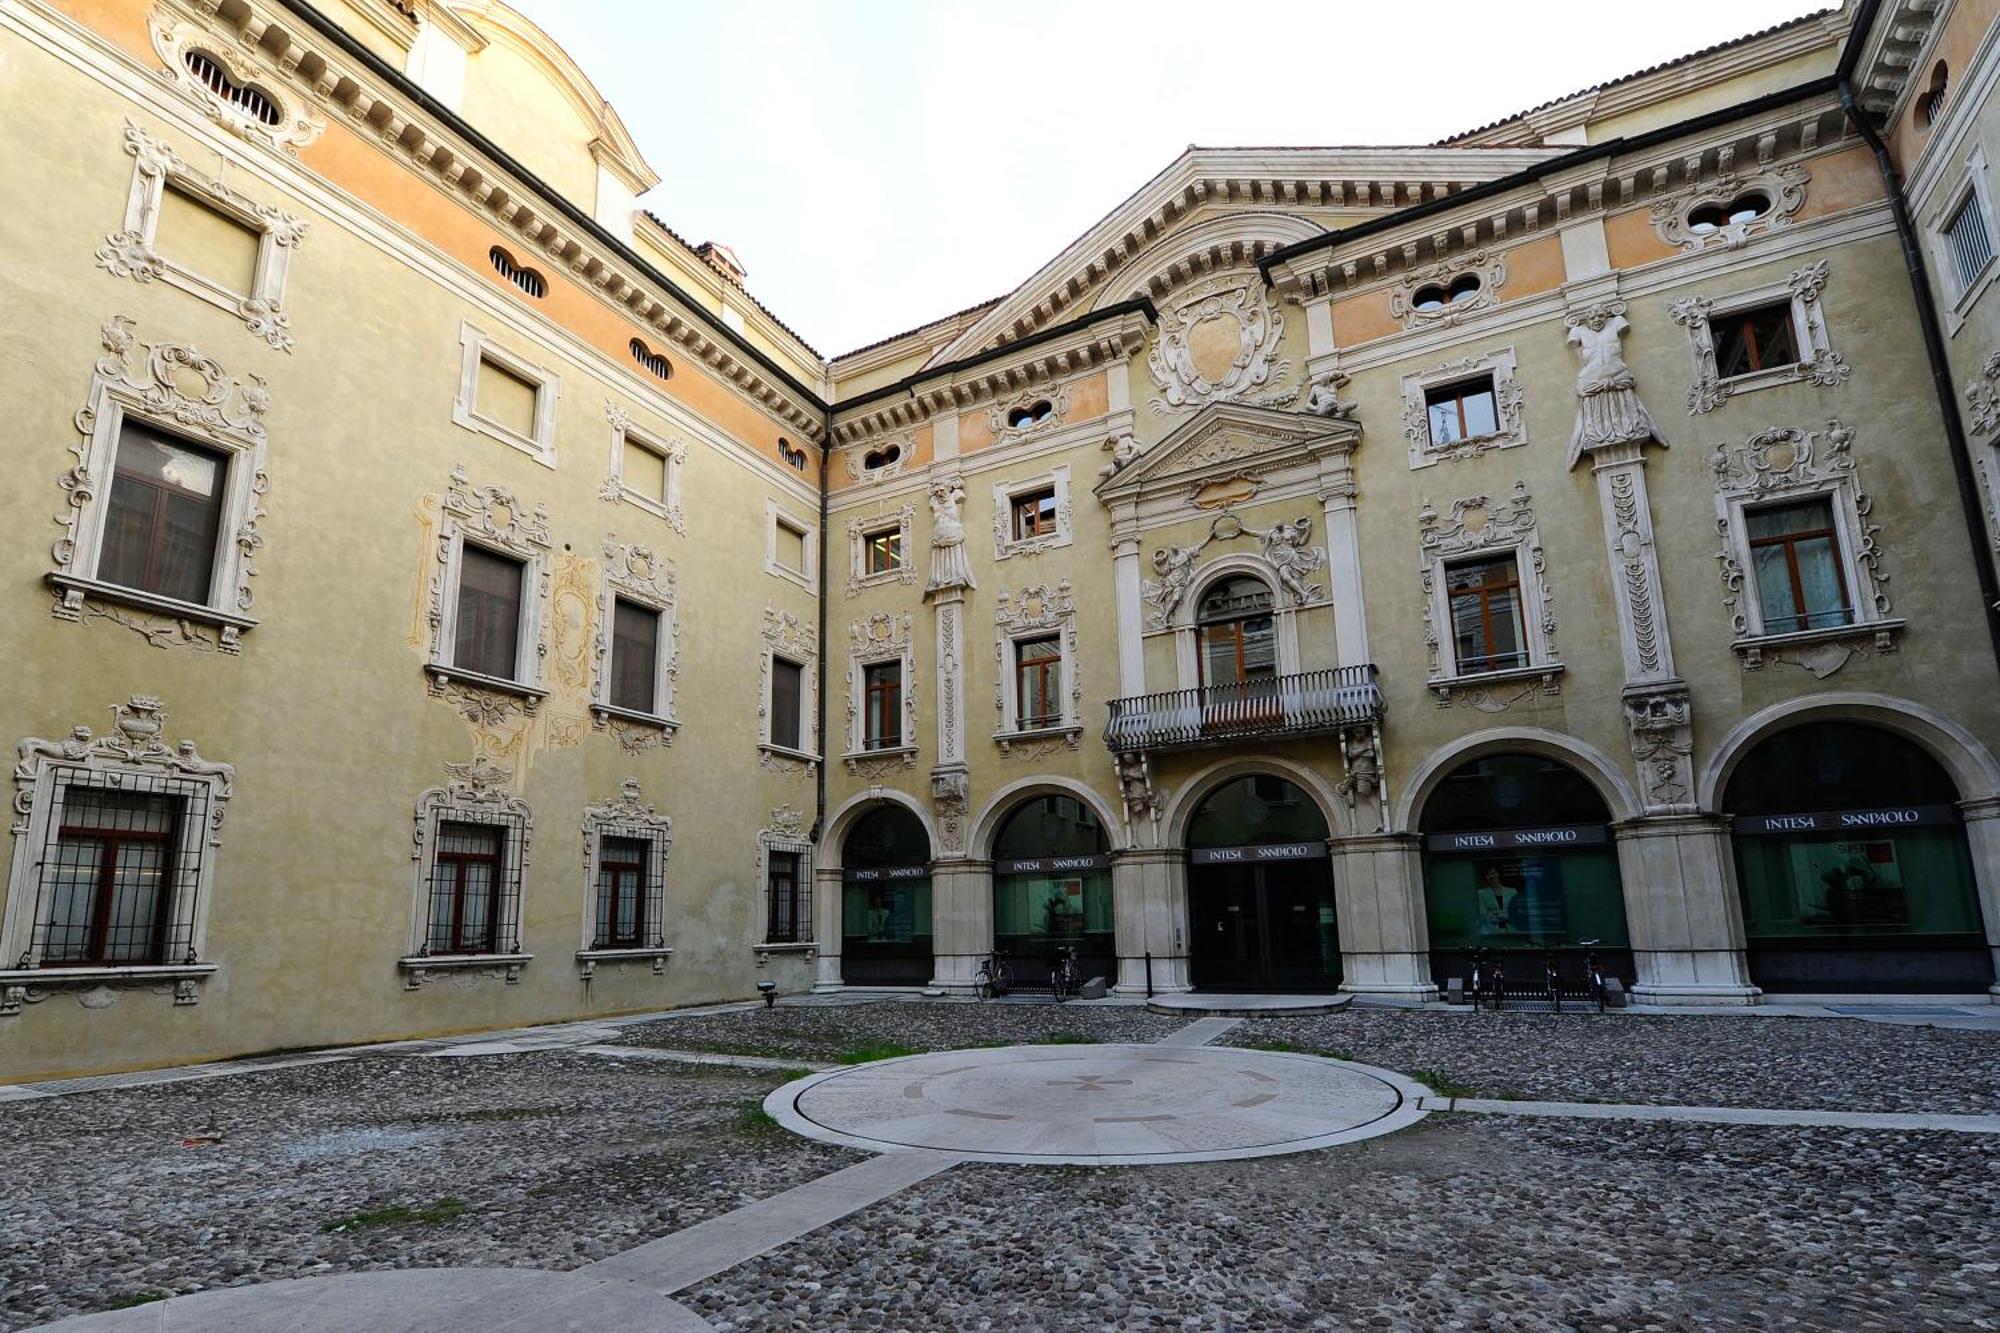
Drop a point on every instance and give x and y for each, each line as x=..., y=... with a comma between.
x=493, y=517
x=1659, y=722
x=1784, y=188
x=883, y=636
x=1135, y=788
x=638, y=574
x=858, y=530
x=1218, y=340
x=1982, y=396
x=1286, y=547
x=1036, y=610
x=1489, y=267
x=881, y=460
x=1510, y=426
x=136, y=741
x=1033, y=412
x=173, y=41
x=1818, y=363
x=787, y=832
x=667, y=506
x=629, y=815
x=1361, y=784
x=1608, y=410
x=951, y=798
x=1472, y=526
x=479, y=792
x=791, y=638
x=951, y=566
x=1323, y=397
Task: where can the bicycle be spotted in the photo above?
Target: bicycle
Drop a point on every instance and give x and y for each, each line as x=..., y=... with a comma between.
x=1482, y=972
x=1593, y=972
x=1497, y=982
x=1552, y=978
x=1063, y=978
x=994, y=976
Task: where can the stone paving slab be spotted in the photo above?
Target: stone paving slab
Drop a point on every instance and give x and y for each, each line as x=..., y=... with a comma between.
x=1246, y=1006
x=1721, y=1115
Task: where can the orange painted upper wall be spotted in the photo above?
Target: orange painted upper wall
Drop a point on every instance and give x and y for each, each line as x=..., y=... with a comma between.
x=1533, y=268
x=1089, y=398
x=1964, y=29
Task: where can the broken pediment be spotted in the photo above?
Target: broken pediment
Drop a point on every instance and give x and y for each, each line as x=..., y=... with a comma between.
x=1221, y=452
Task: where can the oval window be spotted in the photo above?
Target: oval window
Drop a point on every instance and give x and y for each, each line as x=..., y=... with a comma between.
x=1711, y=218
x=1436, y=296
x=877, y=459
x=252, y=102
x=1033, y=414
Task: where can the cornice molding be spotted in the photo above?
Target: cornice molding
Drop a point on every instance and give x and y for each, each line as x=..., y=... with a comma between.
x=1892, y=50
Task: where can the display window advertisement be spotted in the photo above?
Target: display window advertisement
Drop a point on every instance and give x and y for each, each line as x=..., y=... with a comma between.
x=1052, y=890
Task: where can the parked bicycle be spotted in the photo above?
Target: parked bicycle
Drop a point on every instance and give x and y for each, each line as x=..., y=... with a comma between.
x=1593, y=972
x=994, y=976
x=1064, y=979
x=1552, y=980
x=1488, y=975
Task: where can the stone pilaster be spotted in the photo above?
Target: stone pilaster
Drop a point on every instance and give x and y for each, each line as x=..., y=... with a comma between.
x=1149, y=914
x=826, y=926
x=961, y=922
x=1982, y=835
x=1684, y=911
x=1337, y=493
x=1378, y=895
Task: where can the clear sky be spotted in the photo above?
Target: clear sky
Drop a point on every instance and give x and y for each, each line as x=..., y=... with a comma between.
x=880, y=163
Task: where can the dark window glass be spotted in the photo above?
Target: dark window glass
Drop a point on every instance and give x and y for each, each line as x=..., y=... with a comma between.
x=635, y=657
x=888, y=835
x=1238, y=636
x=781, y=886
x=1835, y=766
x=785, y=681
x=163, y=516
x=1463, y=411
x=882, y=713
x=1034, y=514
x=1246, y=811
x=1756, y=339
x=1796, y=559
x=1049, y=826
x=488, y=636
x=1512, y=791
x=621, y=893
x=1486, y=624
x=883, y=551
x=1038, y=682
x=109, y=882
x=465, y=889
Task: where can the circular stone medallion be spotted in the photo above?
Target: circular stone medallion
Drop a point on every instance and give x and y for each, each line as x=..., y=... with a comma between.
x=1099, y=1105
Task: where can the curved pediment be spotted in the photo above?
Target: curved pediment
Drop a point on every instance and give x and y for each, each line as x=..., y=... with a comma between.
x=1222, y=454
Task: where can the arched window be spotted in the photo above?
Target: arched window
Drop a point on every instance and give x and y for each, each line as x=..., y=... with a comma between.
x=1835, y=766
x=1238, y=637
x=888, y=835
x=1260, y=808
x=1932, y=101
x=1049, y=826
x=1512, y=791
x=252, y=101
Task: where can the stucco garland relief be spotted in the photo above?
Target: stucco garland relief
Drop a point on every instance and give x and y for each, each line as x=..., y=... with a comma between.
x=1471, y=526
x=1787, y=463
x=132, y=251
x=1982, y=396
x=951, y=798
x=1037, y=608
x=787, y=636
x=1489, y=266
x=136, y=740
x=1057, y=399
x=1784, y=186
x=1508, y=400
x=881, y=637
x=173, y=40
x=858, y=577
x=1818, y=363
x=1634, y=536
x=1286, y=548
x=168, y=382
x=1659, y=723
x=1218, y=340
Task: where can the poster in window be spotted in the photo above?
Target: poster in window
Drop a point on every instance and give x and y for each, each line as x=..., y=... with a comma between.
x=1062, y=907
x=1519, y=900
x=891, y=915
x=1849, y=884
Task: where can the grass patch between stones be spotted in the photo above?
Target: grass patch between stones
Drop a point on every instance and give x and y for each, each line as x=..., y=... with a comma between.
x=141, y=1298
x=1443, y=1084
x=755, y=1122
x=443, y=1210
x=1293, y=1048
x=861, y=1055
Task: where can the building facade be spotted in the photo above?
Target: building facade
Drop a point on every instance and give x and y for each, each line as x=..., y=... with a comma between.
x=442, y=598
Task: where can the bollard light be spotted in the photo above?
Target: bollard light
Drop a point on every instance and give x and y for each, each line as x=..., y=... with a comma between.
x=769, y=990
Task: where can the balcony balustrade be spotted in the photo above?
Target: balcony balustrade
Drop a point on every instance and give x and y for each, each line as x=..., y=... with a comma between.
x=1308, y=704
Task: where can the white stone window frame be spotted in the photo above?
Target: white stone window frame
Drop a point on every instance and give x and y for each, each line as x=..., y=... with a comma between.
x=475, y=347
x=1817, y=362
x=626, y=815
x=860, y=529
x=173, y=38
x=1489, y=266
x=672, y=454
x=1058, y=400
x=1970, y=187
x=776, y=516
x=1185, y=622
x=152, y=386
x=1505, y=528
x=493, y=519
x=1500, y=365
x=134, y=756
x=883, y=637
x=1037, y=612
x=1005, y=547
x=636, y=574
x=477, y=793
x=788, y=639
x=1784, y=186
x=1785, y=466
x=133, y=250
x=784, y=835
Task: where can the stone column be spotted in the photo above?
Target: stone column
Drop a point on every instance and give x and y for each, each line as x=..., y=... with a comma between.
x=1149, y=915
x=961, y=922
x=1684, y=911
x=1337, y=492
x=826, y=884
x=1982, y=836
x=1378, y=897
x=1128, y=583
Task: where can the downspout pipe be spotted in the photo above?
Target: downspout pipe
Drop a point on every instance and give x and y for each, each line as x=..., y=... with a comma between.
x=1934, y=346
x=819, y=680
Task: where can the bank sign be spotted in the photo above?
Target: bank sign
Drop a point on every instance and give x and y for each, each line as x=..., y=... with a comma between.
x=888, y=872
x=1848, y=821
x=1520, y=839
x=1051, y=865
x=1275, y=851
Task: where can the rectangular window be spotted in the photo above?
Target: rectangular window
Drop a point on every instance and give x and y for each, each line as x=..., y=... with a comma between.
x=635, y=657
x=882, y=551
x=505, y=399
x=1796, y=557
x=787, y=681
x=109, y=879
x=1968, y=242
x=205, y=241
x=465, y=889
x=1756, y=339
x=781, y=888
x=1463, y=411
x=488, y=638
x=882, y=713
x=644, y=472
x=791, y=548
x=1488, y=632
x=1035, y=513
x=1038, y=682
x=164, y=515
x=621, y=893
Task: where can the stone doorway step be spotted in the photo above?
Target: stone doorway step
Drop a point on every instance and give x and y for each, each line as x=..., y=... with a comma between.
x=1197, y=1003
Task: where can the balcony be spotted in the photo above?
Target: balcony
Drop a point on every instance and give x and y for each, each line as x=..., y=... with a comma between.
x=1312, y=703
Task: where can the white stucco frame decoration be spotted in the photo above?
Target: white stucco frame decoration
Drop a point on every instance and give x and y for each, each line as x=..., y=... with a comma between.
x=1970, y=187
x=1039, y=611
x=882, y=637
x=173, y=388
x=860, y=529
x=133, y=756
x=671, y=454
x=785, y=833
x=491, y=517
x=776, y=516
x=475, y=793
x=1508, y=397
x=1784, y=465
x=1188, y=377
x=1489, y=266
x=296, y=126
x=475, y=347
x=634, y=573
x=1057, y=398
x=1784, y=186
x=900, y=451
x=1005, y=546
x=133, y=250
x=1480, y=527
x=791, y=639
x=1817, y=362
x=626, y=815
x=1183, y=616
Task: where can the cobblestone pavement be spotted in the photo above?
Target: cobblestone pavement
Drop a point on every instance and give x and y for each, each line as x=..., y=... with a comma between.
x=547, y=1160
x=1460, y=1223
x=1823, y=1064
x=831, y=1031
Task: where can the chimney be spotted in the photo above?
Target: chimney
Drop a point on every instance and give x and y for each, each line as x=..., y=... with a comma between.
x=723, y=260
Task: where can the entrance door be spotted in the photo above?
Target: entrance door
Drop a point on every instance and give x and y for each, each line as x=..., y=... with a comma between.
x=1263, y=927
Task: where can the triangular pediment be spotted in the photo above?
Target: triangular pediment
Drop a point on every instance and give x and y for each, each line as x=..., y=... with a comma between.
x=1225, y=440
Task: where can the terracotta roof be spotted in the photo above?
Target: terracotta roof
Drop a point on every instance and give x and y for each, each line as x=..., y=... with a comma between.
x=1814, y=17
x=976, y=307
x=696, y=251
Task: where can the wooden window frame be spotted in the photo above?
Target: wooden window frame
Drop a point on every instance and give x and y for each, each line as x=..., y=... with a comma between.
x=103, y=896
x=1738, y=323
x=889, y=694
x=887, y=541
x=1790, y=542
x=1456, y=393
x=1010, y=500
x=640, y=870
x=1046, y=673
x=458, y=861
x=1484, y=594
x=217, y=507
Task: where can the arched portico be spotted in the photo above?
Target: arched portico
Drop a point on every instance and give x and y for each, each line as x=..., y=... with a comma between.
x=866, y=906
x=1592, y=763
x=1003, y=802
x=1198, y=788
x=1971, y=765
